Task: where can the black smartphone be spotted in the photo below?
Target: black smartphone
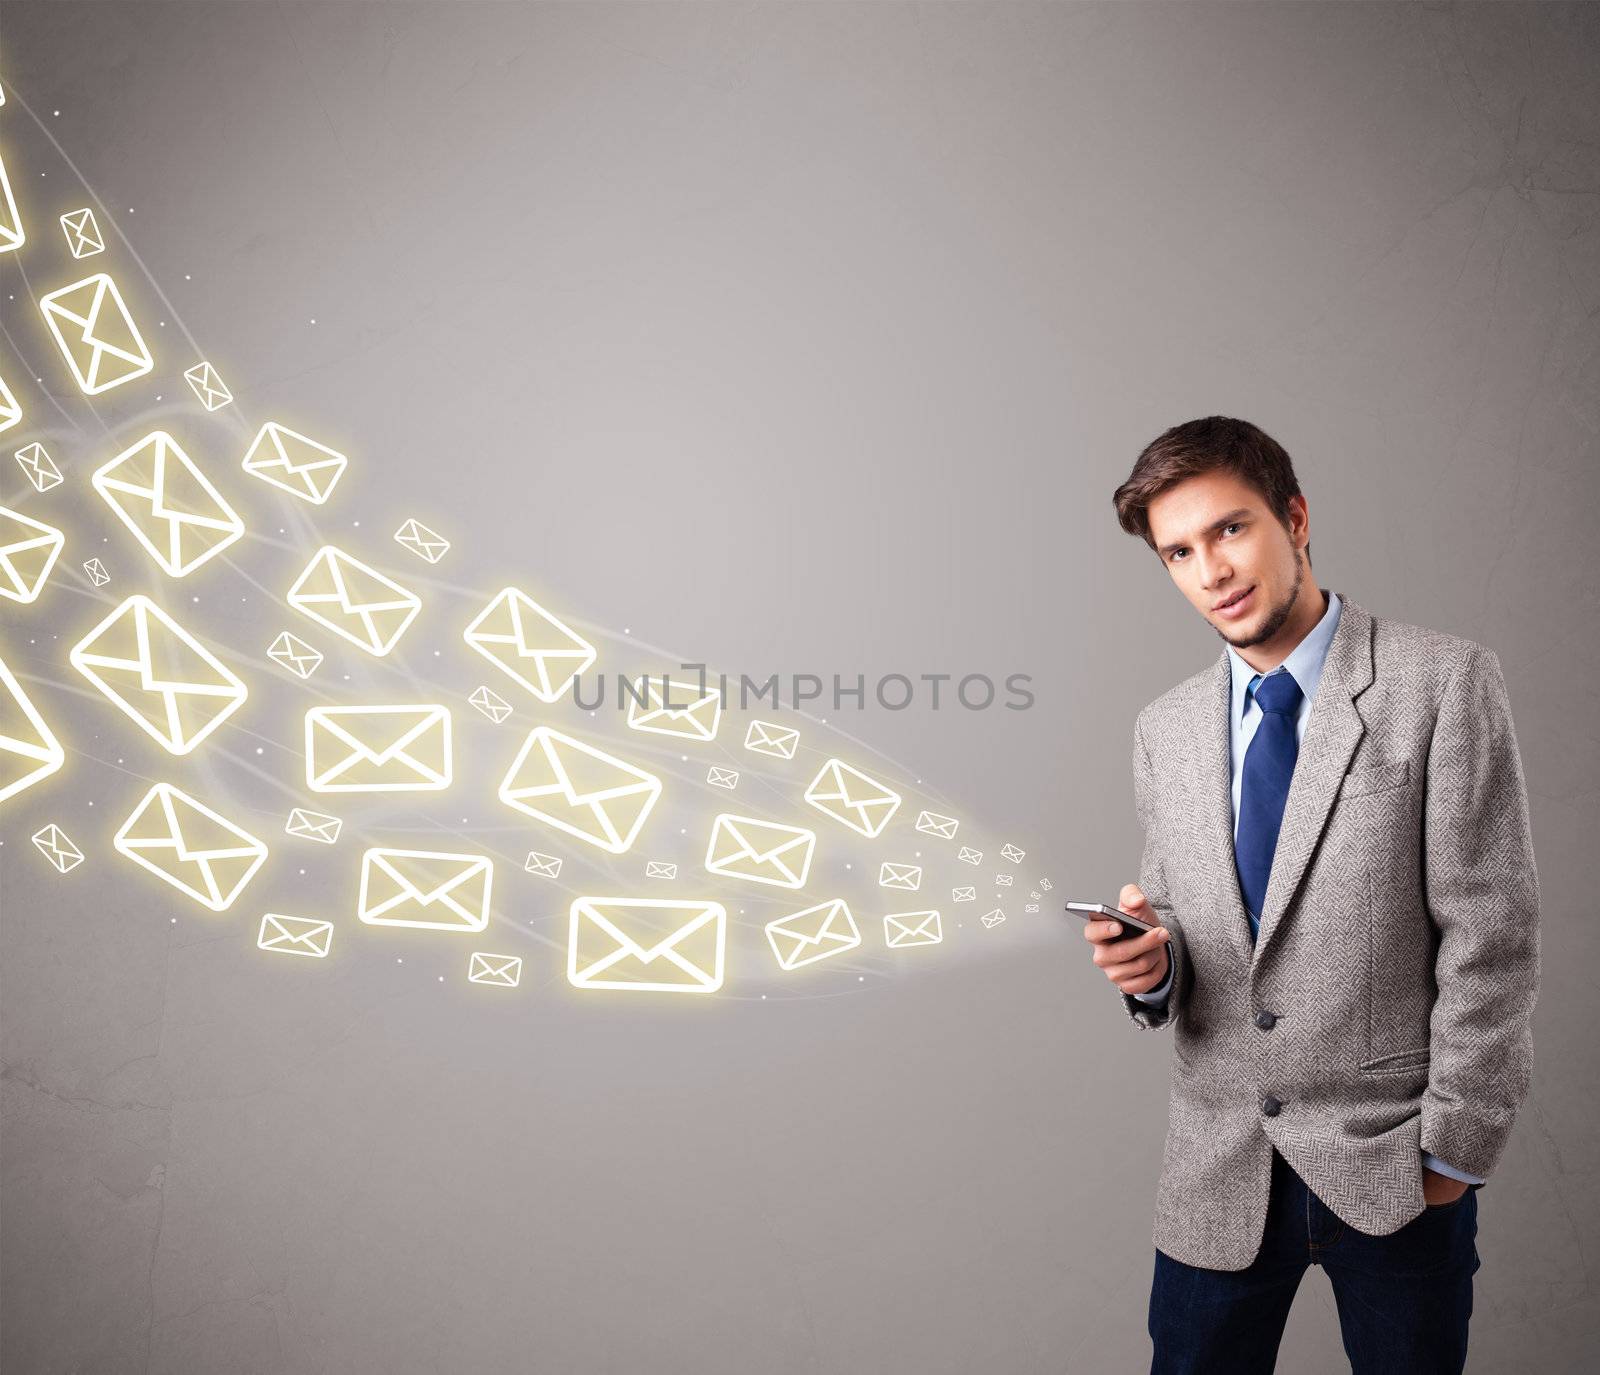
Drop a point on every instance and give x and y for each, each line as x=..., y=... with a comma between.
x=1096, y=911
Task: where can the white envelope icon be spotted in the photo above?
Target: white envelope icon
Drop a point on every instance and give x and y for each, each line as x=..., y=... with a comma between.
x=967, y=856
x=295, y=936
x=1045, y=884
x=39, y=468
x=1012, y=853
x=907, y=876
x=646, y=945
x=431, y=889
x=498, y=971
x=546, y=866
x=963, y=894
x=12, y=235
x=83, y=233
x=491, y=704
x=529, y=645
x=29, y=750
x=657, y=868
x=212, y=392
x=96, y=334
x=10, y=407
x=722, y=778
x=760, y=851
x=357, y=603
x=580, y=789
x=317, y=826
x=299, y=465
x=778, y=741
x=671, y=708
x=183, y=842
x=294, y=654
x=1002, y=880
x=168, y=503
x=426, y=544
x=28, y=551
x=388, y=749
x=815, y=934
x=848, y=795
x=993, y=919
x=931, y=823
x=913, y=928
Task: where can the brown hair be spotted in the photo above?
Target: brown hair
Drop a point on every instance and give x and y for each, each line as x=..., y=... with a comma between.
x=1202, y=446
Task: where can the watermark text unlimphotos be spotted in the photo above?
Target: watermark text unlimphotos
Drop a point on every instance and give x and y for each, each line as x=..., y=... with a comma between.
x=690, y=684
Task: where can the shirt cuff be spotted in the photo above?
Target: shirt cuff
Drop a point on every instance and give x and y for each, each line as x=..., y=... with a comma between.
x=1156, y=996
x=1439, y=1167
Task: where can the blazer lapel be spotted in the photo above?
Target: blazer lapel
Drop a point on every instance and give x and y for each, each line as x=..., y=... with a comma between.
x=1332, y=733
x=1213, y=785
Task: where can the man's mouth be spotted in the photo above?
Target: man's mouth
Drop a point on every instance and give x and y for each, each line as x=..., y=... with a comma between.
x=1235, y=603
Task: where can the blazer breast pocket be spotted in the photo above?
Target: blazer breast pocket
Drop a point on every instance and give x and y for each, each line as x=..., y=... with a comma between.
x=1379, y=778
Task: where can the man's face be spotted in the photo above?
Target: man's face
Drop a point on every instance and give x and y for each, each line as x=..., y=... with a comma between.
x=1219, y=539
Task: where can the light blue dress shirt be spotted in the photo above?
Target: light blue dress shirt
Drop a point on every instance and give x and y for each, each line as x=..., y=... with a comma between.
x=1305, y=662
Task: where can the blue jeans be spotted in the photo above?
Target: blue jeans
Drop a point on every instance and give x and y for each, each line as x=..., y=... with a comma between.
x=1404, y=1299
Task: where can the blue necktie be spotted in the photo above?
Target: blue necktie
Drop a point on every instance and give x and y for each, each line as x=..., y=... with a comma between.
x=1264, y=788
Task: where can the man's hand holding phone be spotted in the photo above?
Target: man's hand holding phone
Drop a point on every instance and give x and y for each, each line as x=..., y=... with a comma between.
x=1135, y=964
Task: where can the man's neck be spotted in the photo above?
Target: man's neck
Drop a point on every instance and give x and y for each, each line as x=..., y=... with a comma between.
x=1309, y=608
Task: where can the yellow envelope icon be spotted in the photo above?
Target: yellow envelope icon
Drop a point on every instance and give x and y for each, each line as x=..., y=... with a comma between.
x=10, y=407
x=848, y=795
x=670, y=708
x=913, y=928
x=29, y=750
x=580, y=789
x=158, y=675
x=812, y=935
x=83, y=233
x=354, y=601
x=656, y=868
x=760, y=851
x=300, y=466
x=491, y=704
x=38, y=467
x=378, y=749
x=931, y=823
x=546, y=866
x=644, y=945
x=28, y=551
x=171, y=507
x=529, y=645
x=1012, y=853
x=183, y=842
x=499, y=971
x=421, y=541
x=992, y=919
x=907, y=876
x=295, y=936
x=963, y=894
x=317, y=826
x=967, y=856
x=294, y=654
x=95, y=571
x=12, y=236
x=722, y=778
x=425, y=888
x=208, y=386
x=778, y=741
x=54, y=845
x=95, y=332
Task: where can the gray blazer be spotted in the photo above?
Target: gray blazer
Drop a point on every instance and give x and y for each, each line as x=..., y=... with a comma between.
x=1384, y=1010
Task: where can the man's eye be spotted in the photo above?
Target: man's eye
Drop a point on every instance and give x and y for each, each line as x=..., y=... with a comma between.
x=1232, y=526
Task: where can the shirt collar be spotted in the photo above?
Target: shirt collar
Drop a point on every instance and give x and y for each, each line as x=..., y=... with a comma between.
x=1305, y=660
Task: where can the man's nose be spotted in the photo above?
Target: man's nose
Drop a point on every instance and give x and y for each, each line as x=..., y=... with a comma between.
x=1213, y=570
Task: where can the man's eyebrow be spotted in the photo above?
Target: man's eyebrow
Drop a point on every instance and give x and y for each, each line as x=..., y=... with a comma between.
x=1217, y=524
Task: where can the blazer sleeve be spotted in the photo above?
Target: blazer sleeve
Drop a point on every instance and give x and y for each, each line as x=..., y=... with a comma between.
x=1482, y=894
x=1153, y=884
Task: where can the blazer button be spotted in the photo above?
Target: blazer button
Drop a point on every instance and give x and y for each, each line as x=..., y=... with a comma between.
x=1270, y=1106
x=1266, y=1020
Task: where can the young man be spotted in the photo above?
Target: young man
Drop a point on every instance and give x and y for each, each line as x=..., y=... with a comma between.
x=1338, y=856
